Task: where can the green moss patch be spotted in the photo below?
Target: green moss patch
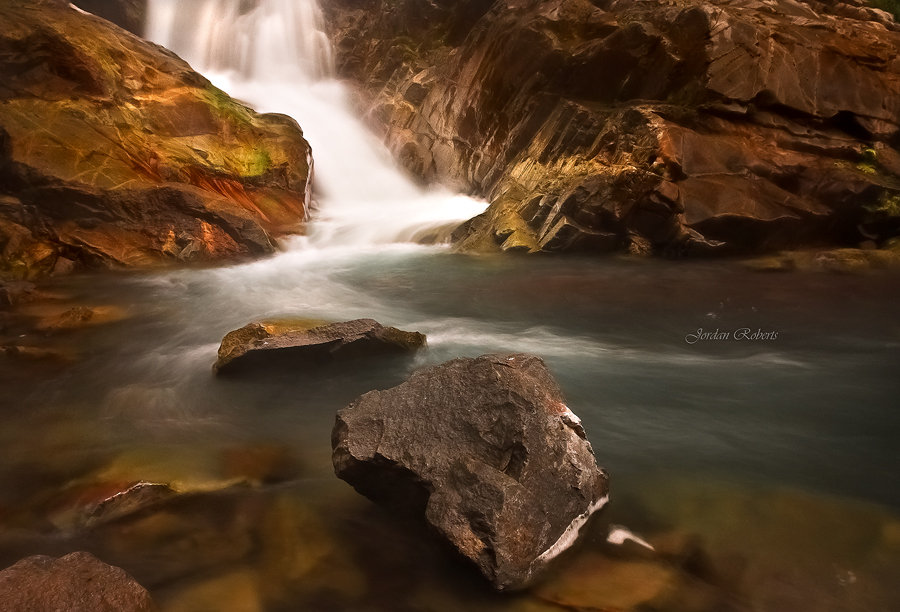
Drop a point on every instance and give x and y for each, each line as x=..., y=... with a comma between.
x=254, y=161
x=887, y=206
x=226, y=107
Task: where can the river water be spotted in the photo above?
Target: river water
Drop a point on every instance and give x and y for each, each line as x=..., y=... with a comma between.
x=764, y=468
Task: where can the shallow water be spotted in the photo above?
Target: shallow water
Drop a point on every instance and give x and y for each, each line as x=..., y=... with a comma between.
x=764, y=472
x=775, y=458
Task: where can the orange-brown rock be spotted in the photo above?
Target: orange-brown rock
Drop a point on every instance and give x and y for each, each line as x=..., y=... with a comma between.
x=113, y=152
x=77, y=582
x=678, y=127
x=286, y=343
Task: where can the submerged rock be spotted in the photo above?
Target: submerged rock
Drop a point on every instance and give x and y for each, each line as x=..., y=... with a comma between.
x=846, y=261
x=487, y=450
x=594, y=582
x=25, y=353
x=698, y=127
x=268, y=343
x=60, y=318
x=78, y=582
x=263, y=463
x=16, y=292
x=136, y=497
x=168, y=536
x=114, y=153
x=238, y=590
x=302, y=554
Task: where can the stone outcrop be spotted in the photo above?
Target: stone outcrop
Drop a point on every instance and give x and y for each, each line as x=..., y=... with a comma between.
x=265, y=344
x=487, y=450
x=78, y=582
x=710, y=126
x=114, y=153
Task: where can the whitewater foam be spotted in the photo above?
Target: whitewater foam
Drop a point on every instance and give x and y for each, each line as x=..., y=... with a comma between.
x=276, y=57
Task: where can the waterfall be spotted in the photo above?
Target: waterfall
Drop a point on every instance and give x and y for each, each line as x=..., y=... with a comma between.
x=259, y=40
x=274, y=55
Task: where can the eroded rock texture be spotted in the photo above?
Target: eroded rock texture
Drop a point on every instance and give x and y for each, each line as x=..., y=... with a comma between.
x=487, y=450
x=113, y=152
x=648, y=125
x=78, y=582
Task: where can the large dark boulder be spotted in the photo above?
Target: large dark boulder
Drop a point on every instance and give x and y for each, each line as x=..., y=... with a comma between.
x=115, y=153
x=262, y=345
x=487, y=450
x=128, y=14
x=716, y=126
x=78, y=582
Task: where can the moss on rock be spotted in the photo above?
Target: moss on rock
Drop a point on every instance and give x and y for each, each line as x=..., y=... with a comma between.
x=113, y=152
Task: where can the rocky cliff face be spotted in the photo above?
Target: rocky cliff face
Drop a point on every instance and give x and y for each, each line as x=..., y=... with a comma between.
x=650, y=126
x=113, y=152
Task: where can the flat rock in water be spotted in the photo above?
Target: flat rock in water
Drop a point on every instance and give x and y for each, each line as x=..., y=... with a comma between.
x=136, y=497
x=269, y=343
x=78, y=582
x=487, y=449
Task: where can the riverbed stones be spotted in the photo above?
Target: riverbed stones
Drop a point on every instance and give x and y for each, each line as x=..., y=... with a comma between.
x=78, y=582
x=487, y=450
x=265, y=344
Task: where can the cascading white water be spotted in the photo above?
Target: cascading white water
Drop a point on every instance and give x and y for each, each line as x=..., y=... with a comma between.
x=274, y=55
x=260, y=40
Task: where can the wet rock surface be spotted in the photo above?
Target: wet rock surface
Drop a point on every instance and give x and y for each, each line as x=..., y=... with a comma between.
x=168, y=536
x=266, y=344
x=667, y=127
x=114, y=153
x=839, y=261
x=78, y=582
x=487, y=450
x=136, y=497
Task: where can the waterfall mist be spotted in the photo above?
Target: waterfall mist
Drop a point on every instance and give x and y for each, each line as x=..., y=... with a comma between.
x=274, y=55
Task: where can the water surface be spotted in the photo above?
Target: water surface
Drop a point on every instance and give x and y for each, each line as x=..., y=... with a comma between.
x=779, y=453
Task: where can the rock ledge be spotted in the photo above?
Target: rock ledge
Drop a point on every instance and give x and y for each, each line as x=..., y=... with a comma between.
x=271, y=342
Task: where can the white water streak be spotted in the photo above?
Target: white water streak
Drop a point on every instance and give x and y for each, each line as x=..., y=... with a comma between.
x=618, y=535
x=275, y=55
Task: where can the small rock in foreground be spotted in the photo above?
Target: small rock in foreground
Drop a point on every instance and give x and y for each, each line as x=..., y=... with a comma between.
x=487, y=450
x=268, y=343
x=78, y=582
